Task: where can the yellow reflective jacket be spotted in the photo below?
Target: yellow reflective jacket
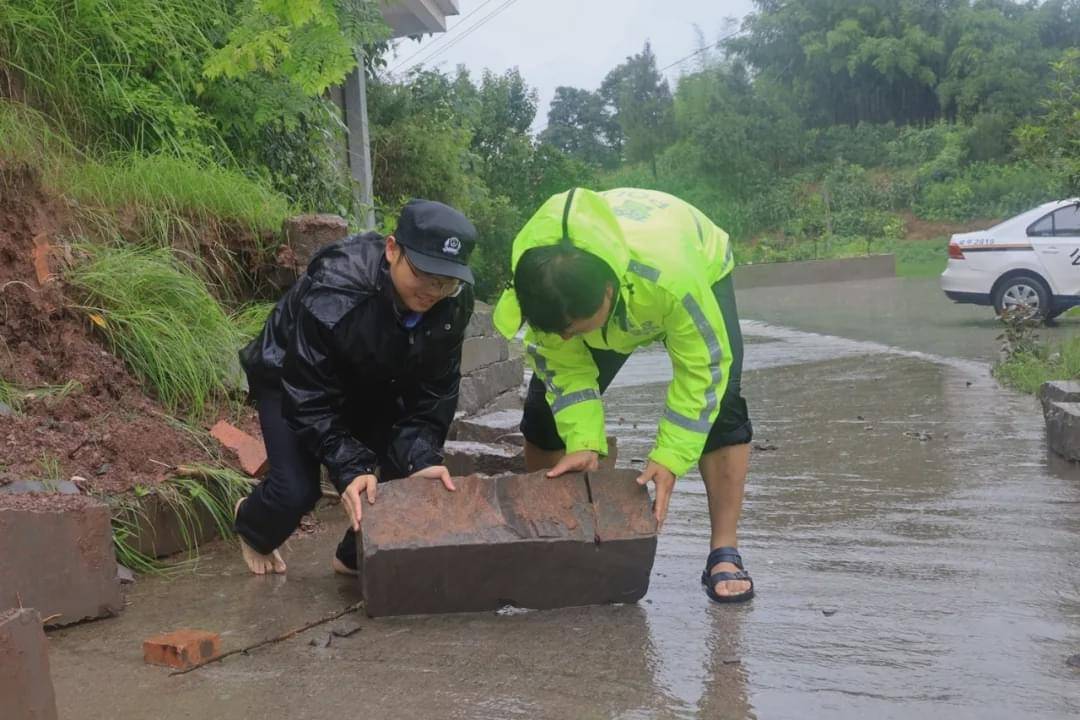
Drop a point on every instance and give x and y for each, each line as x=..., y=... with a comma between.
x=667, y=255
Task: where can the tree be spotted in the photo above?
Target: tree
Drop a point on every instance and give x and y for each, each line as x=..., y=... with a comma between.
x=1054, y=138
x=642, y=105
x=501, y=139
x=581, y=125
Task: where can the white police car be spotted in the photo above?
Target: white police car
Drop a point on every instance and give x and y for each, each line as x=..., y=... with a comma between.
x=1031, y=261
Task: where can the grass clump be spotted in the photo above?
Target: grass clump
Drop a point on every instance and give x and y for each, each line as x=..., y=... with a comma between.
x=249, y=320
x=196, y=495
x=1027, y=371
x=166, y=192
x=159, y=316
x=1027, y=362
x=10, y=395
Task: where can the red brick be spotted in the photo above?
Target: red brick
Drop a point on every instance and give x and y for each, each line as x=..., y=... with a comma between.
x=42, y=266
x=26, y=689
x=250, y=451
x=181, y=648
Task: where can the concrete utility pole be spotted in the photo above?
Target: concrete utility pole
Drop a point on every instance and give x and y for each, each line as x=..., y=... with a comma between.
x=405, y=18
x=358, y=143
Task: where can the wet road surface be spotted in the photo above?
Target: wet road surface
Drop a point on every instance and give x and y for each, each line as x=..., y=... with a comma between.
x=897, y=577
x=911, y=313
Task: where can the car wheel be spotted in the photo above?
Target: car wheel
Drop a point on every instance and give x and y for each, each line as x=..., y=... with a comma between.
x=1025, y=295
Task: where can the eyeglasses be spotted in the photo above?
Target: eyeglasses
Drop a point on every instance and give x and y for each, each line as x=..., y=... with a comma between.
x=441, y=283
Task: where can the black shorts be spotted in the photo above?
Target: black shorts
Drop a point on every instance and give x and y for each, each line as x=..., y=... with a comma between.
x=732, y=426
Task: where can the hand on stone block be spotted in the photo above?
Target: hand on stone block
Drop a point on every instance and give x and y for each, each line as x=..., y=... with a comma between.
x=353, y=496
x=664, y=481
x=436, y=472
x=576, y=462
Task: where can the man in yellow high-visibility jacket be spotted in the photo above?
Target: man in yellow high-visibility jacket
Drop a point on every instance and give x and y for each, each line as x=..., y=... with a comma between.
x=596, y=275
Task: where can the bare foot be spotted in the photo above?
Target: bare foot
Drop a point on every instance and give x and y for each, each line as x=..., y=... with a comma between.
x=727, y=588
x=342, y=569
x=257, y=562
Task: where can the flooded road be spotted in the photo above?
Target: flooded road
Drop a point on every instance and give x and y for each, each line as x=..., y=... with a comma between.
x=916, y=554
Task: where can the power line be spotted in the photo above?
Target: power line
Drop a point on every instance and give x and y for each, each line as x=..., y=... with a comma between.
x=483, y=21
x=442, y=37
x=479, y=24
x=699, y=51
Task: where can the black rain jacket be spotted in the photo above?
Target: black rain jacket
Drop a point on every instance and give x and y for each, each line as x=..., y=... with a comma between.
x=337, y=337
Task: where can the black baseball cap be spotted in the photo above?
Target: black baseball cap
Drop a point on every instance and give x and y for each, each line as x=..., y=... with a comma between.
x=437, y=238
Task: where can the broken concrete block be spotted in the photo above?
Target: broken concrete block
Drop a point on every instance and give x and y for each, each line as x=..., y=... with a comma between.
x=478, y=352
x=512, y=399
x=480, y=323
x=26, y=689
x=1059, y=391
x=484, y=385
x=58, y=557
x=486, y=428
x=181, y=649
x=160, y=531
x=521, y=540
x=306, y=234
x=1063, y=429
x=466, y=458
x=250, y=451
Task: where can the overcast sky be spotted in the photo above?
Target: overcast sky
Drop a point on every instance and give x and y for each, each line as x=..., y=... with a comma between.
x=568, y=42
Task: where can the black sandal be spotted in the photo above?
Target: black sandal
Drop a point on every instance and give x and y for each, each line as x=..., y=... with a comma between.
x=730, y=555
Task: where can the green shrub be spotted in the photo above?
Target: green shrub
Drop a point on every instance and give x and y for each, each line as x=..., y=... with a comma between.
x=160, y=318
x=988, y=190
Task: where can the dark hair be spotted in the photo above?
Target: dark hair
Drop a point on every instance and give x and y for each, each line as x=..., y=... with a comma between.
x=557, y=284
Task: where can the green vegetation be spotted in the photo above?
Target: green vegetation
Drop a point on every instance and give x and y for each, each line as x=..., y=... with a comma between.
x=1027, y=362
x=202, y=493
x=160, y=317
x=817, y=128
x=10, y=395
x=50, y=474
x=812, y=132
x=249, y=320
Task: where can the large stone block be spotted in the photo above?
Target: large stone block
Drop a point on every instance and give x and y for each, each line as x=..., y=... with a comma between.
x=57, y=556
x=305, y=234
x=478, y=352
x=625, y=526
x=522, y=540
x=26, y=689
x=486, y=428
x=161, y=531
x=484, y=385
x=465, y=458
x=1059, y=391
x=512, y=399
x=480, y=322
x=1063, y=428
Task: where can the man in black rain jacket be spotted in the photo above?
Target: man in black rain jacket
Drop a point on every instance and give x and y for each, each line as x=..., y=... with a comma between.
x=357, y=369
